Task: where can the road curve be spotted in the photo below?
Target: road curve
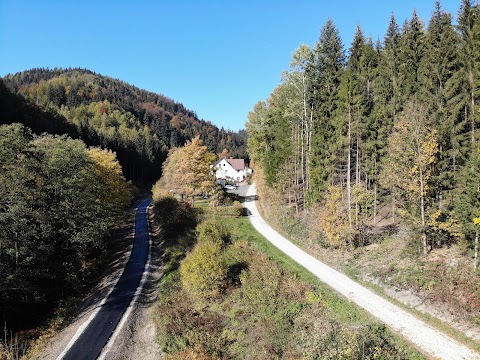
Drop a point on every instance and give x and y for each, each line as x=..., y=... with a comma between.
x=95, y=336
x=432, y=342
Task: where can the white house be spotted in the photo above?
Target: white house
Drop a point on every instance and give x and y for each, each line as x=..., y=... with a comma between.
x=231, y=170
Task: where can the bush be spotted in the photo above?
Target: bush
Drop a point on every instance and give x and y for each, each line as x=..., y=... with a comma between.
x=173, y=215
x=237, y=208
x=212, y=230
x=204, y=271
x=184, y=330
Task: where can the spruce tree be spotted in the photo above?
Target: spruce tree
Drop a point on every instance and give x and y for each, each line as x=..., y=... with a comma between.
x=465, y=87
x=436, y=71
x=412, y=48
x=329, y=62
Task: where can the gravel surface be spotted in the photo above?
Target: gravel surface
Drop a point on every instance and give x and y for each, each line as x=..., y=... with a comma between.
x=429, y=340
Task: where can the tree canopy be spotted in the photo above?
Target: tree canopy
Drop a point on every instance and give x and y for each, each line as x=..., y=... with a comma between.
x=395, y=122
x=186, y=170
x=58, y=200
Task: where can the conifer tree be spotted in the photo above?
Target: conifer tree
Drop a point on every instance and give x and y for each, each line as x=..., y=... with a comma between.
x=464, y=89
x=356, y=97
x=329, y=62
x=469, y=69
x=412, y=48
x=388, y=101
x=436, y=70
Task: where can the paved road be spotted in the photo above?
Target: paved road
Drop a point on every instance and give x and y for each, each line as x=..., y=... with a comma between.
x=433, y=342
x=95, y=336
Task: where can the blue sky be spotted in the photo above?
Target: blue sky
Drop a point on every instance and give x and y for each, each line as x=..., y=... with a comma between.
x=218, y=58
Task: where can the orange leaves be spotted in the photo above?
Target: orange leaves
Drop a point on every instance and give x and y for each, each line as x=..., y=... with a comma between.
x=187, y=170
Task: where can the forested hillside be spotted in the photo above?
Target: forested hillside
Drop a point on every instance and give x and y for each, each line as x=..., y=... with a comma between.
x=58, y=201
x=138, y=125
x=384, y=131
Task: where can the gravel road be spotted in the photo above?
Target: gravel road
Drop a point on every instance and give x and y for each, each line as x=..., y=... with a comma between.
x=432, y=342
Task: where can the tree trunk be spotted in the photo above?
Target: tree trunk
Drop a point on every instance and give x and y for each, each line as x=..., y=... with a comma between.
x=422, y=211
x=16, y=256
x=394, y=210
x=475, y=257
x=349, y=171
x=472, y=107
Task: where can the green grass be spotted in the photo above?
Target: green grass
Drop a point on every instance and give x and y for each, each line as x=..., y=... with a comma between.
x=345, y=311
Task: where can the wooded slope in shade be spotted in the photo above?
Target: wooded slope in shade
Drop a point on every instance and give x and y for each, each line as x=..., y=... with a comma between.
x=140, y=126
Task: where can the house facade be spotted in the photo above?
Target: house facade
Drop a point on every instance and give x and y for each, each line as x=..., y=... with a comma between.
x=231, y=170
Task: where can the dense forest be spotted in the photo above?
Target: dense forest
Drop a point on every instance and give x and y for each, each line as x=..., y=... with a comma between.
x=391, y=125
x=58, y=201
x=140, y=126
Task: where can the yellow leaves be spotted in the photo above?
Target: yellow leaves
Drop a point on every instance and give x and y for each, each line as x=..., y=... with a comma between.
x=204, y=270
x=428, y=148
x=476, y=221
x=109, y=171
x=107, y=160
x=334, y=217
x=187, y=169
x=450, y=224
x=412, y=148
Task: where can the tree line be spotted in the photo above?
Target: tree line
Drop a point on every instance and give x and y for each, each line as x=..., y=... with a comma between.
x=140, y=126
x=393, y=122
x=58, y=201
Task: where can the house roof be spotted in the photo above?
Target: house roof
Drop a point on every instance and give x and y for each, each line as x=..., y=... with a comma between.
x=237, y=164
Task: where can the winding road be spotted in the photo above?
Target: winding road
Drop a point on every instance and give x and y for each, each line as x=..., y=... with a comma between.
x=430, y=341
x=88, y=343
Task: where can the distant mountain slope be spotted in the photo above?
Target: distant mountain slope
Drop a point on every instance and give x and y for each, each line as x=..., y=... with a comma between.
x=139, y=125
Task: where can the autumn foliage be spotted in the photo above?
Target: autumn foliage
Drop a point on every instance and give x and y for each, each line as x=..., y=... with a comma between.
x=186, y=171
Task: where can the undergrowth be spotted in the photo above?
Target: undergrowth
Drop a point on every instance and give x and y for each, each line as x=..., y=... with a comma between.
x=269, y=307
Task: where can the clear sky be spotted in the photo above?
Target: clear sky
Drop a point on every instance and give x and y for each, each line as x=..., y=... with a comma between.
x=218, y=58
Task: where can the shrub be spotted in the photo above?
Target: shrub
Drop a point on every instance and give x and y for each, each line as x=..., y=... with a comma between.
x=237, y=208
x=173, y=215
x=185, y=331
x=204, y=271
x=212, y=230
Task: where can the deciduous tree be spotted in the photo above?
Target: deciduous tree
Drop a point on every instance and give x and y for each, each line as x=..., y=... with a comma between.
x=187, y=170
x=411, y=152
